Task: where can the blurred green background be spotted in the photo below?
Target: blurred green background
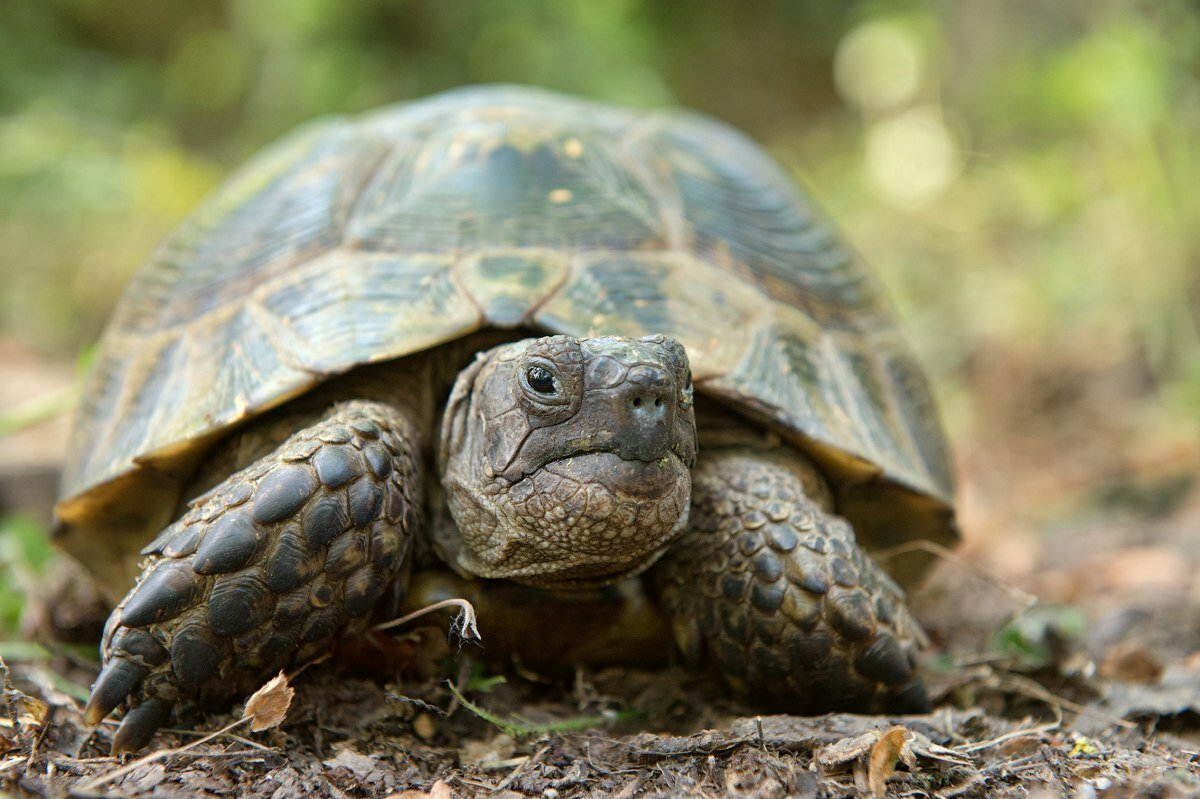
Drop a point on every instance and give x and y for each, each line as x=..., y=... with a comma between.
x=1022, y=175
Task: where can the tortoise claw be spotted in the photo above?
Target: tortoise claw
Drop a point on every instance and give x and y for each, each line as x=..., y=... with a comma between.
x=139, y=725
x=118, y=679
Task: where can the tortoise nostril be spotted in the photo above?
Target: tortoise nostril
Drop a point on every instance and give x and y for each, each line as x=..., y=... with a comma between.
x=637, y=402
x=658, y=403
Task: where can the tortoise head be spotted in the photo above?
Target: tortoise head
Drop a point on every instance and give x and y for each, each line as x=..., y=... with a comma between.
x=566, y=462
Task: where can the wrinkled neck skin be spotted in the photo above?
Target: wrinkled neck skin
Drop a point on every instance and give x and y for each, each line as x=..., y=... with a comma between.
x=566, y=462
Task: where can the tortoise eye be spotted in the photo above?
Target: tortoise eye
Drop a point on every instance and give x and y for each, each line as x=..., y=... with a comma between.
x=540, y=380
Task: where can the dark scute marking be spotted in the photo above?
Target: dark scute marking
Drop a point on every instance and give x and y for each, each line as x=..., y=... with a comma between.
x=365, y=428
x=843, y=573
x=363, y=590
x=884, y=609
x=767, y=596
x=239, y=493
x=850, y=613
x=767, y=566
x=884, y=660
x=337, y=466
x=378, y=459
x=177, y=541
x=911, y=698
x=781, y=537
x=733, y=586
x=808, y=571
x=366, y=500
x=386, y=548
x=239, y=602
x=300, y=451
x=321, y=594
x=326, y=520
x=397, y=507
x=195, y=656
x=292, y=607
x=337, y=434
x=139, y=645
x=282, y=492
x=228, y=545
x=347, y=553
x=808, y=650
x=772, y=668
x=801, y=608
x=749, y=543
x=165, y=593
x=322, y=624
x=277, y=649
x=291, y=562
x=184, y=542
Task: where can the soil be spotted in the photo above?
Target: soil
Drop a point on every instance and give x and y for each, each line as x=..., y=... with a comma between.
x=1090, y=690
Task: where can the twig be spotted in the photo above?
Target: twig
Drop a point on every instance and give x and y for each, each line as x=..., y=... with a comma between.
x=1023, y=598
x=1034, y=690
x=104, y=779
x=464, y=623
x=526, y=763
x=1008, y=736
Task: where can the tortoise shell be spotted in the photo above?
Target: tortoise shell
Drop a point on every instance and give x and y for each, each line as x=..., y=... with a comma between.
x=367, y=239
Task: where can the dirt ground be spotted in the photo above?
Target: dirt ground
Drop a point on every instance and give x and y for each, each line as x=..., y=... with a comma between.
x=1091, y=690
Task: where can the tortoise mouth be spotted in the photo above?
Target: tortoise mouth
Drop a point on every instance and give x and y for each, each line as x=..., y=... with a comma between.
x=628, y=477
x=583, y=520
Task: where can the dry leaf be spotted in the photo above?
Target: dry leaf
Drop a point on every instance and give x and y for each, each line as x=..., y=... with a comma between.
x=268, y=706
x=891, y=747
x=439, y=790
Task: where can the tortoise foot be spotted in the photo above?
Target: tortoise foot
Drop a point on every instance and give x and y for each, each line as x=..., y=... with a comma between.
x=263, y=572
x=773, y=589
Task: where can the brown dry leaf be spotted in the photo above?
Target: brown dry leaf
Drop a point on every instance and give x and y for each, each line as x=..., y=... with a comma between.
x=268, y=706
x=439, y=790
x=1130, y=661
x=891, y=747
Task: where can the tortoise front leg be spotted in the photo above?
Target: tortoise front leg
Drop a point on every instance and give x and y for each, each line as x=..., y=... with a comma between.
x=266, y=571
x=773, y=588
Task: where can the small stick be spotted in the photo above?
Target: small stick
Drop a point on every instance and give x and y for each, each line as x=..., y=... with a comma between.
x=1023, y=598
x=1008, y=736
x=104, y=779
x=467, y=626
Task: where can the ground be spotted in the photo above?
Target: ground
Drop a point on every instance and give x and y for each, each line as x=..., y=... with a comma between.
x=1066, y=662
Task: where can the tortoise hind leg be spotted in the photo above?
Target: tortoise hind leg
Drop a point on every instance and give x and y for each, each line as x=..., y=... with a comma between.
x=267, y=571
x=773, y=588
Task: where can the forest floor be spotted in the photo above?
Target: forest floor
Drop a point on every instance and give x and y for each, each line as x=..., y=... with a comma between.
x=1090, y=690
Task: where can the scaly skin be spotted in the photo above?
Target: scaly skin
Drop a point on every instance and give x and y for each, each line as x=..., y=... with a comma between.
x=567, y=464
x=773, y=589
x=268, y=570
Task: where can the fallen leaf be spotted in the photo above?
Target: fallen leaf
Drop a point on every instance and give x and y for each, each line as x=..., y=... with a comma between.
x=1130, y=661
x=891, y=747
x=268, y=706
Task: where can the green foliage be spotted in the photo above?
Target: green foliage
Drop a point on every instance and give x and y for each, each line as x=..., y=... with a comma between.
x=1041, y=636
x=1018, y=174
x=25, y=553
x=517, y=727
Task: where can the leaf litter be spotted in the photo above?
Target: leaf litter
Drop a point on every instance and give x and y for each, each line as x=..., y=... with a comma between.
x=1093, y=692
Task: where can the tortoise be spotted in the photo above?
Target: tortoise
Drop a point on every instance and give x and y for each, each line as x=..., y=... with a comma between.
x=511, y=341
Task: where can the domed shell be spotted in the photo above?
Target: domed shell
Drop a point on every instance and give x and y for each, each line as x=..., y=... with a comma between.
x=367, y=239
